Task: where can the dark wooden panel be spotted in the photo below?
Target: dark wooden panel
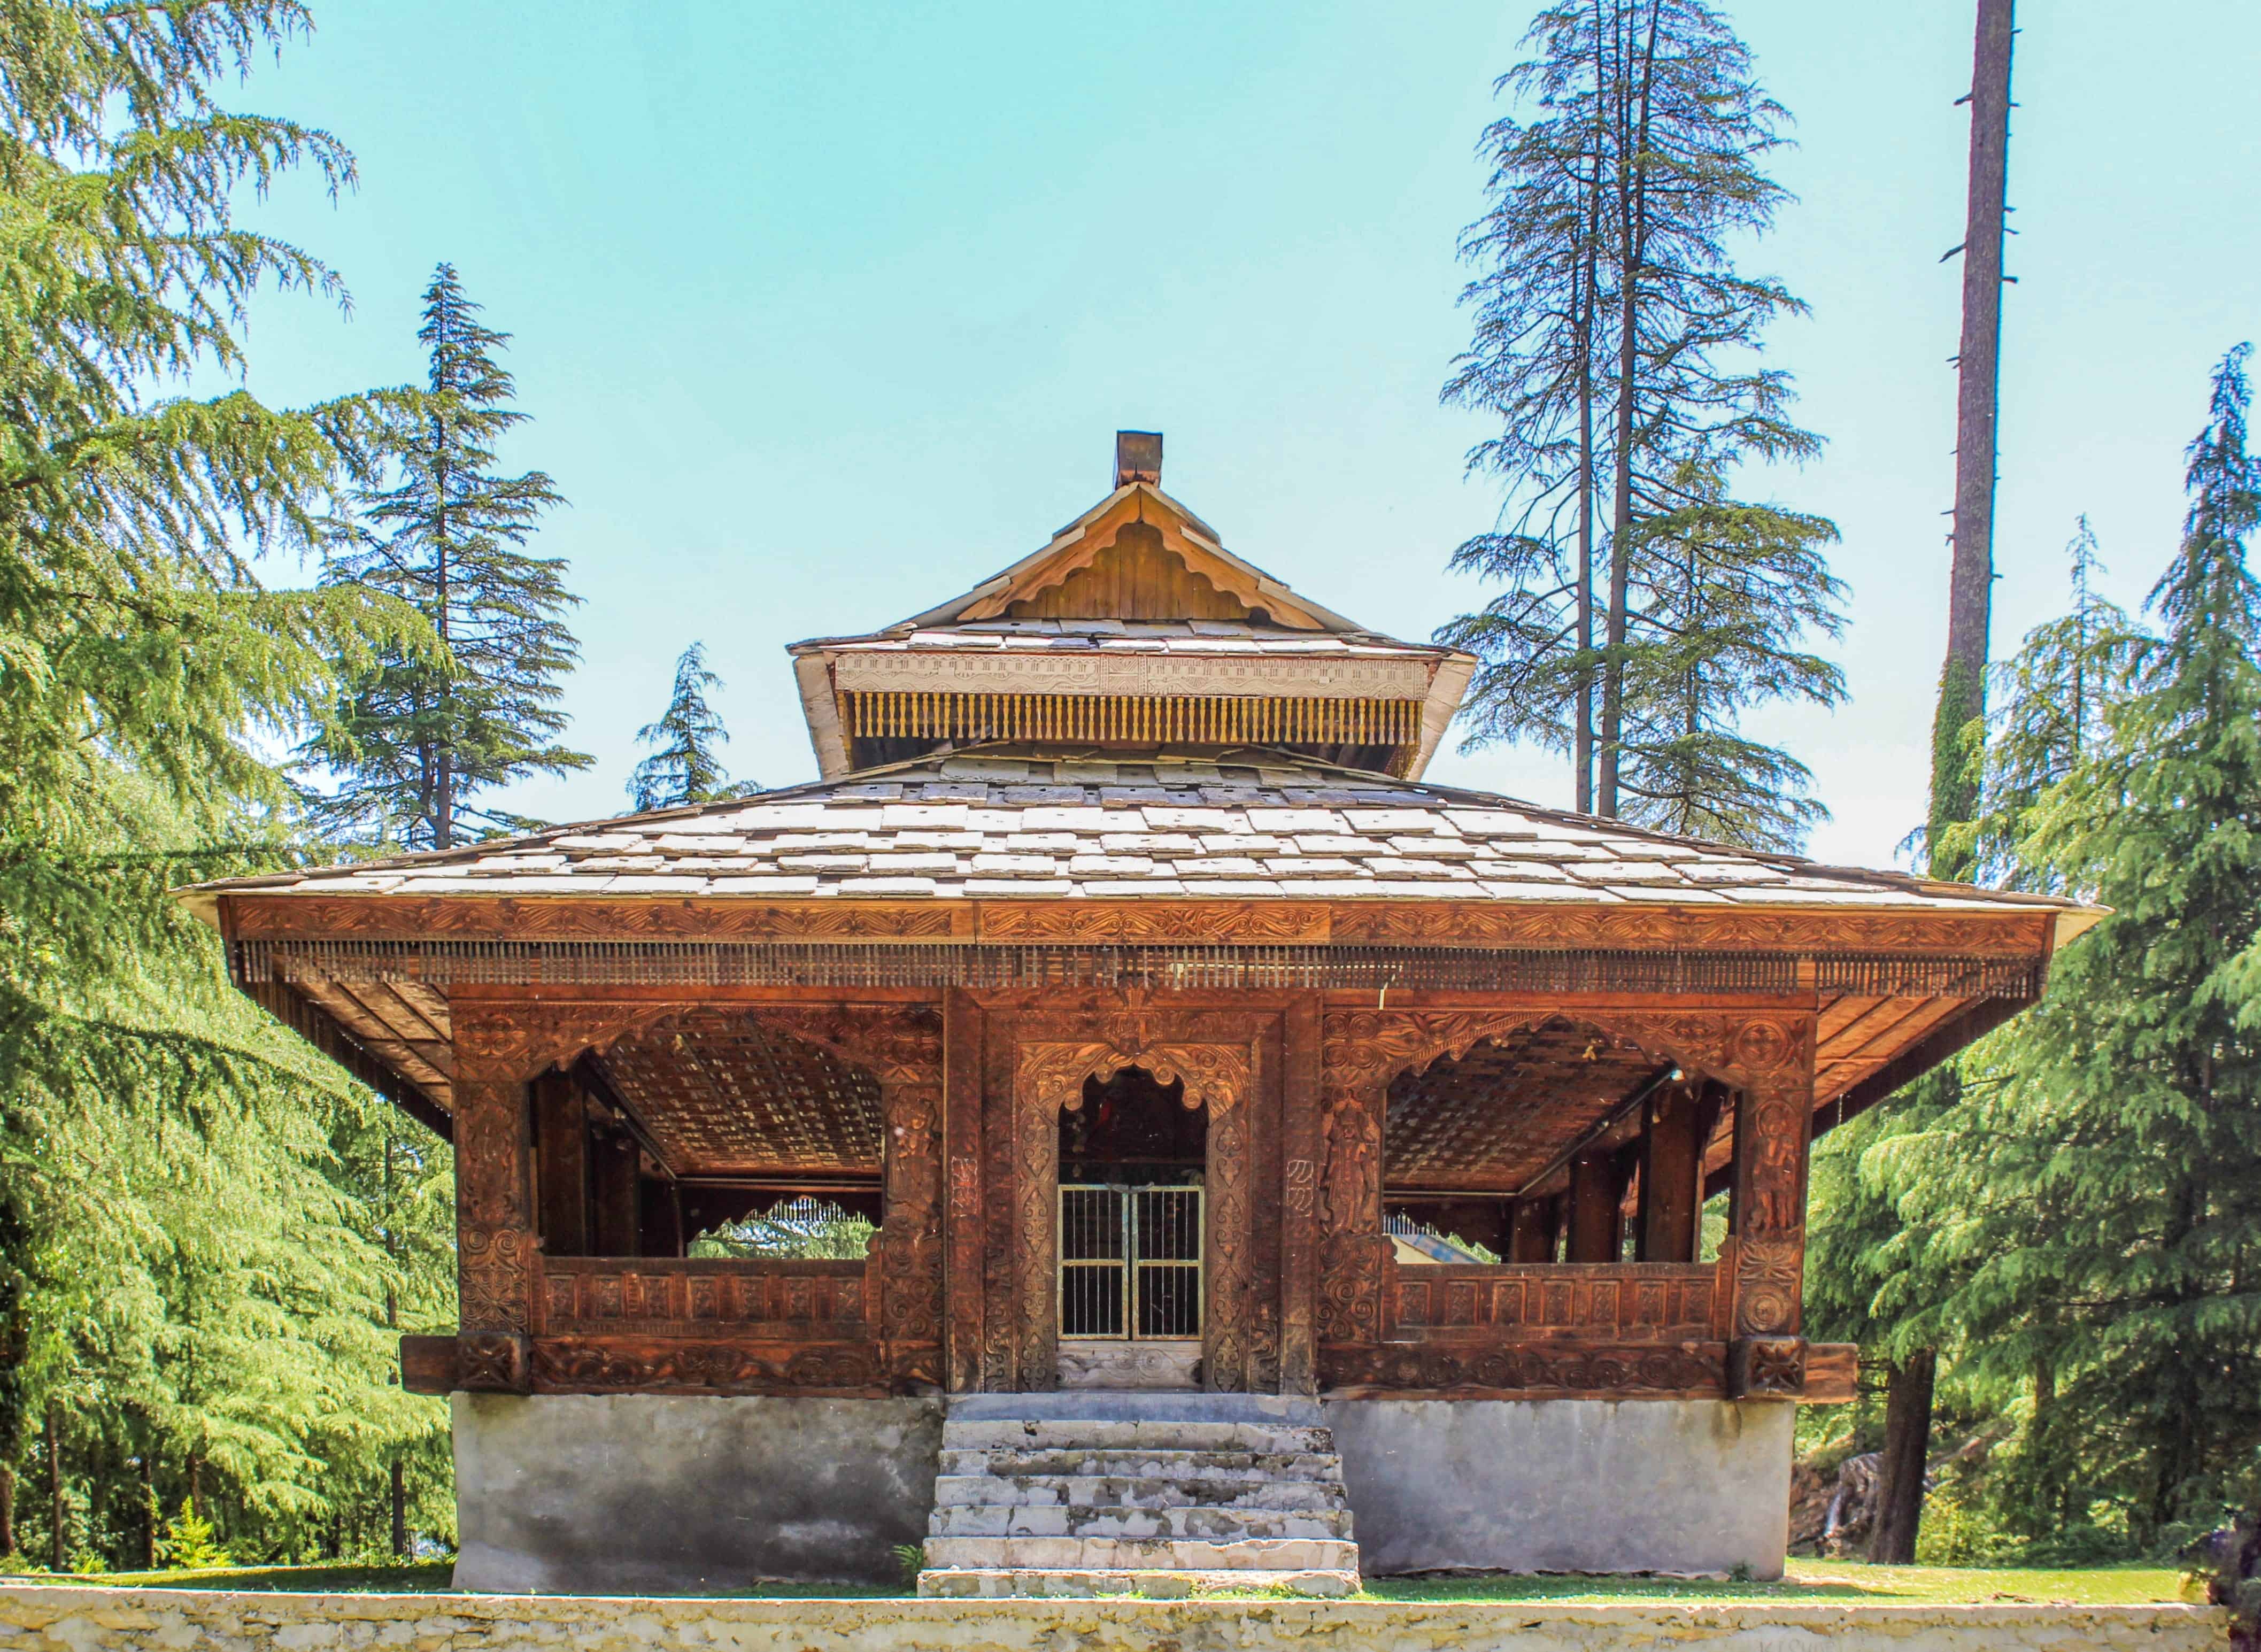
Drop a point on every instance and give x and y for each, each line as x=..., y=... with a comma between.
x=427, y=1364
x=1671, y=1176
x=1832, y=1373
x=1597, y=1194
x=561, y=1167
x=652, y=1365
x=1547, y=1370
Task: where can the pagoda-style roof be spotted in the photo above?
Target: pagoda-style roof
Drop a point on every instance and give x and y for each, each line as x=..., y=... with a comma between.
x=1236, y=825
x=996, y=866
x=1133, y=627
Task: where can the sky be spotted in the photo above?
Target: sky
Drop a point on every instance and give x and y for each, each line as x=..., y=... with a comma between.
x=823, y=313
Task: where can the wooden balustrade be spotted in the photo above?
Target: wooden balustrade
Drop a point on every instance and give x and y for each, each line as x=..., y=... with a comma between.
x=1512, y=1302
x=703, y=1297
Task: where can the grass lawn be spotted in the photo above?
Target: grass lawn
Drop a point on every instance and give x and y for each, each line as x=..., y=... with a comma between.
x=1810, y=1581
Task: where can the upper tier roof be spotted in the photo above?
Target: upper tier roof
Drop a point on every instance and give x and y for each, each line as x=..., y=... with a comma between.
x=1233, y=825
x=1133, y=604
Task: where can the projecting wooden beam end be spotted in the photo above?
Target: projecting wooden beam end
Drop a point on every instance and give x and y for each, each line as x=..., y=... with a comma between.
x=1832, y=1374
x=1792, y=1369
x=427, y=1365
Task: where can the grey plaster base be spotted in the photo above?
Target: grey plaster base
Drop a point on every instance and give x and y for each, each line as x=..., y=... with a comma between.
x=667, y=1494
x=1566, y=1486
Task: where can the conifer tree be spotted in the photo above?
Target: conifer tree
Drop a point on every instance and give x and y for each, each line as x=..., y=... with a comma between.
x=685, y=768
x=2085, y=1211
x=418, y=737
x=1617, y=341
x=162, y=1153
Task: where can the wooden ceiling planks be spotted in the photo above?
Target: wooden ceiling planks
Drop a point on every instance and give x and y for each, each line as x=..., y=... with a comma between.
x=1501, y=1114
x=725, y=1095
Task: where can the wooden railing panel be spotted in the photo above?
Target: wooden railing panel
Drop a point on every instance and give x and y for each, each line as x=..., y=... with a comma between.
x=705, y=1298
x=1595, y=1301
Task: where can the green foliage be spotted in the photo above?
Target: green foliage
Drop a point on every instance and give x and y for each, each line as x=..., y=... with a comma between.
x=418, y=733
x=802, y=1229
x=1616, y=341
x=2074, y=1224
x=191, y=1265
x=685, y=768
x=190, y=1546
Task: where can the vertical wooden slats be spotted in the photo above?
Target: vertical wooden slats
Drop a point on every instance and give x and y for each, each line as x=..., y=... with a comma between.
x=1131, y=719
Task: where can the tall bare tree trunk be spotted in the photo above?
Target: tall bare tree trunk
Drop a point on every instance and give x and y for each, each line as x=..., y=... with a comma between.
x=1582, y=753
x=1963, y=678
x=1955, y=775
x=58, y=1509
x=1633, y=251
x=151, y=1517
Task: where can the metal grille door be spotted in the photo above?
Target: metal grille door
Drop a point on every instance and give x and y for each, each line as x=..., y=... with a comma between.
x=1130, y=1261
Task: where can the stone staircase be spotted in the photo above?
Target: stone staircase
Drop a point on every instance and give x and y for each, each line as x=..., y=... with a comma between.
x=1159, y=1493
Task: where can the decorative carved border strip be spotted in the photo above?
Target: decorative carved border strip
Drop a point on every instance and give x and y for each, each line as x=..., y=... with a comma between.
x=1530, y=1370
x=817, y=1301
x=2017, y=932
x=1102, y=964
x=636, y=1364
x=1635, y=1302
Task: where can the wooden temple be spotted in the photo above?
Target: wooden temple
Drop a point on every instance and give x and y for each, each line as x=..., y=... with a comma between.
x=1123, y=972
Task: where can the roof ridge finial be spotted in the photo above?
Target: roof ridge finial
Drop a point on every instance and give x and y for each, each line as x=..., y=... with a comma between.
x=1138, y=457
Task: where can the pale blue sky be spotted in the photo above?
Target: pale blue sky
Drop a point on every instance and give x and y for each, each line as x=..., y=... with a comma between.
x=826, y=311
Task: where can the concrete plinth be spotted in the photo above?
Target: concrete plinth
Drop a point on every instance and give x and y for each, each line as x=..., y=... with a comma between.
x=680, y=1494
x=1566, y=1486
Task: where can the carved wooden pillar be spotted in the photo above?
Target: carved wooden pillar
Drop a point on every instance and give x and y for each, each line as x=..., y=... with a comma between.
x=1227, y=1088
x=1354, y=1256
x=495, y=1246
x=1671, y=1176
x=1775, y=1072
x=1000, y=1288
x=1531, y=1231
x=911, y=1254
x=1301, y=1154
x=963, y=1273
x=1042, y=1072
x=561, y=1141
x=1597, y=1201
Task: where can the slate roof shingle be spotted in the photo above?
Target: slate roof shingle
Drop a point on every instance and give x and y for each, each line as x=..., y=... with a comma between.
x=1046, y=824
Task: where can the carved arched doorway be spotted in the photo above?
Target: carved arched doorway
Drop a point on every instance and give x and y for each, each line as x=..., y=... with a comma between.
x=1166, y=1135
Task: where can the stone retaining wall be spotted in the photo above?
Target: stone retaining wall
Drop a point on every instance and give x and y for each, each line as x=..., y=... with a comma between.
x=35, y=1619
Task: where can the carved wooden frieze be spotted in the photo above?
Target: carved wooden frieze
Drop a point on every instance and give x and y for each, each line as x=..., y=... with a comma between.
x=1686, y=1370
x=1277, y=922
x=821, y=1301
x=606, y=1365
x=1639, y=1301
x=1087, y=672
x=1640, y=927
x=592, y=919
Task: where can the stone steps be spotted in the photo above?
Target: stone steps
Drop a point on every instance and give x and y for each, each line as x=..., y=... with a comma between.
x=996, y=1584
x=1161, y=1434
x=1150, y=1491
x=1111, y=1464
x=1144, y=1553
x=998, y=1519
x=1091, y=1492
